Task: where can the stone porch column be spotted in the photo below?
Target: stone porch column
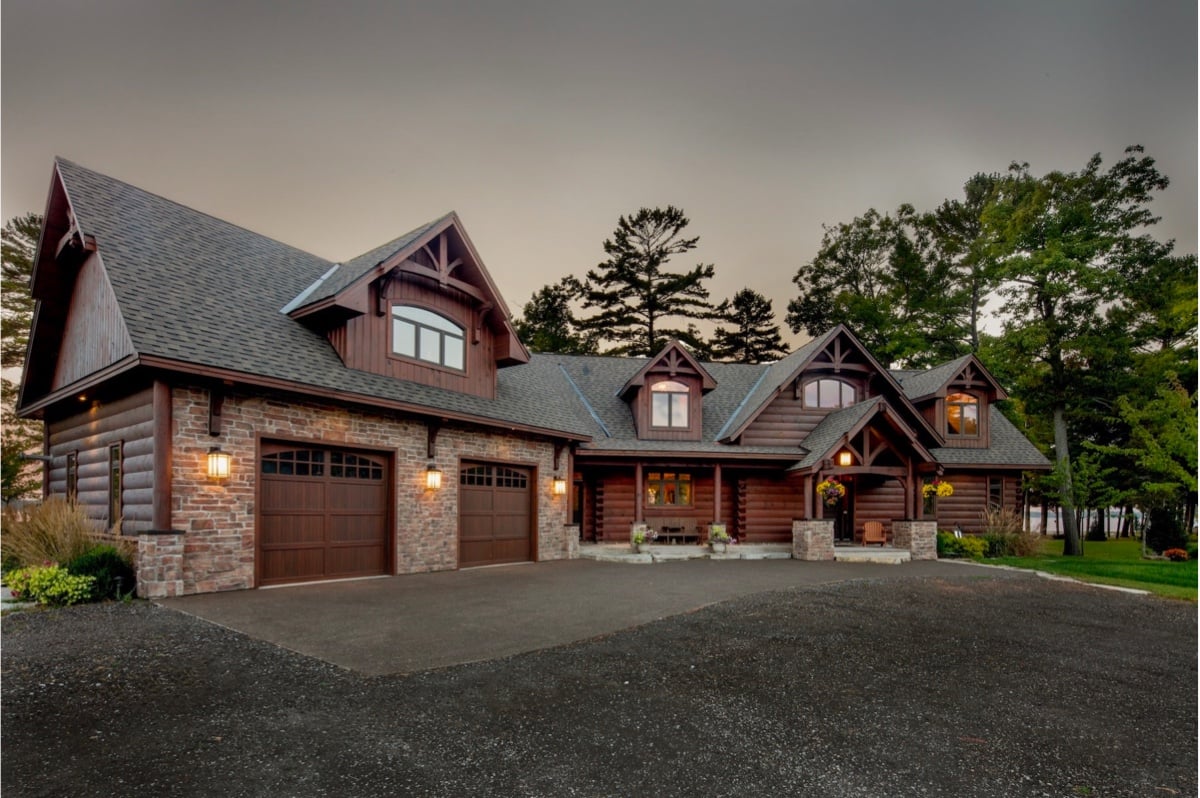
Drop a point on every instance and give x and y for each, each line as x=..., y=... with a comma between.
x=812, y=540
x=572, y=533
x=919, y=537
x=160, y=564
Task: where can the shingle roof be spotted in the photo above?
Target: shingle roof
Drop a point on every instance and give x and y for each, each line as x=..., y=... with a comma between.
x=355, y=268
x=922, y=383
x=198, y=290
x=205, y=292
x=831, y=429
x=1008, y=447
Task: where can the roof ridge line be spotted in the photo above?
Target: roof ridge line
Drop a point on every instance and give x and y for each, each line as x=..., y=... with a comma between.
x=583, y=399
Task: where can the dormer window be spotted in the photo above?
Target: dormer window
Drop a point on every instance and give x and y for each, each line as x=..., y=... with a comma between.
x=962, y=414
x=669, y=404
x=428, y=336
x=829, y=393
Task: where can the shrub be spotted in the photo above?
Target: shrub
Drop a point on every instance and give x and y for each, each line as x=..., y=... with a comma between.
x=1001, y=521
x=54, y=531
x=1165, y=531
x=972, y=546
x=967, y=546
x=1176, y=555
x=109, y=567
x=50, y=584
x=947, y=545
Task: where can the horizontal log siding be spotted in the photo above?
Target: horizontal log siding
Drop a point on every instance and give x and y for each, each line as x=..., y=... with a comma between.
x=965, y=508
x=614, y=504
x=883, y=502
x=786, y=422
x=766, y=508
x=94, y=334
x=364, y=342
x=129, y=421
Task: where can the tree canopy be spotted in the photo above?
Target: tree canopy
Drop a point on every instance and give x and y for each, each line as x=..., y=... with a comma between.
x=18, y=477
x=548, y=324
x=635, y=296
x=754, y=336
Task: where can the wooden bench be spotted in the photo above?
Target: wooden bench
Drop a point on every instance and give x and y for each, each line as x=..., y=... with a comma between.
x=675, y=530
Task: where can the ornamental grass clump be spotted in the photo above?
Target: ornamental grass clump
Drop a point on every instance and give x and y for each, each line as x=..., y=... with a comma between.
x=55, y=531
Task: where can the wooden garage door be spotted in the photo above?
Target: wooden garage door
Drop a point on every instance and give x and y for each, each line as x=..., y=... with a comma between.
x=495, y=522
x=322, y=514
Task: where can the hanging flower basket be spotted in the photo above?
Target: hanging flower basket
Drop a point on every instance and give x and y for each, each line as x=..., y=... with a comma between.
x=831, y=491
x=937, y=488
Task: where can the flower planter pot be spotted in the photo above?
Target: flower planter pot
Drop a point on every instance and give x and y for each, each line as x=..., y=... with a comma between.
x=718, y=548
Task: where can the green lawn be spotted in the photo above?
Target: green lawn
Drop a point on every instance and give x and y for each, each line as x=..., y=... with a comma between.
x=1114, y=562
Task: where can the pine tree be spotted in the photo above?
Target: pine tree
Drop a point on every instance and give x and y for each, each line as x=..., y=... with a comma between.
x=635, y=295
x=755, y=336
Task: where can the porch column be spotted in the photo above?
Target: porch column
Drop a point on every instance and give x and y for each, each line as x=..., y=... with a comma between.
x=717, y=500
x=637, y=493
x=919, y=537
x=808, y=492
x=812, y=540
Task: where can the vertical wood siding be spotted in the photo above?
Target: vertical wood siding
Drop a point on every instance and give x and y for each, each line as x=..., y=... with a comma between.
x=364, y=342
x=94, y=334
x=129, y=421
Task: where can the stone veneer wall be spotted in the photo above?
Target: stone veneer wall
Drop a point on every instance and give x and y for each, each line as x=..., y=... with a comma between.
x=812, y=540
x=919, y=537
x=217, y=517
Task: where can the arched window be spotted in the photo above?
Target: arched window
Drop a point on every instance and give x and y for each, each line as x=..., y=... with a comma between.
x=425, y=335
x=962, y=414
x=829, y=393
x=669, y=404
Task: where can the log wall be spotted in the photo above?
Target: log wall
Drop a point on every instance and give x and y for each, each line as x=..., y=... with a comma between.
x=129, y=422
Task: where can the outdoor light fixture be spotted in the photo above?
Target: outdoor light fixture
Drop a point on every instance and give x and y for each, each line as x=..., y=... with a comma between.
x=560, y=486
x=845, y=458
x=433, y=478
x=220, y=465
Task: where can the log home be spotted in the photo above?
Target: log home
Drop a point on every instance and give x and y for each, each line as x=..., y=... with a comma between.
x=256, y=415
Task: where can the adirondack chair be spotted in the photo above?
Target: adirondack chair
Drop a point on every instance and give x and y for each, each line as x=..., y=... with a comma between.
x=873, y=533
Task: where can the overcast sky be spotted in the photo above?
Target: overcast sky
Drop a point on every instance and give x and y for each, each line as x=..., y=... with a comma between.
x=336, y=126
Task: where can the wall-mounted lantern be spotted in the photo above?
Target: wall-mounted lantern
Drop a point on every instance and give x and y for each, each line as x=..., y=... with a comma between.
x=559, y=486
x=433, y=478
x=845, y=458
x=220, y=464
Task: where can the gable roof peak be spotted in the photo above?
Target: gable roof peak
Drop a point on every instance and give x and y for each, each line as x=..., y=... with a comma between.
x=672, y=358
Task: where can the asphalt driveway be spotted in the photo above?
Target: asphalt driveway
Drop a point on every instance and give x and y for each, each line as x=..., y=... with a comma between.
x=411, y=623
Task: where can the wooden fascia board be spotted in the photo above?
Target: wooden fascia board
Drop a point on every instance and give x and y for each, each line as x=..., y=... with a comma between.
x=638, y=380
x=343, y=397
x=595, y=456
x=993, y=466
x=94, y=379
x=792, y=375
x=941, y=391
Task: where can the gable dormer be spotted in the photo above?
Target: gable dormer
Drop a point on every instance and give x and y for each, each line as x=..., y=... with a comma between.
x=666, y=396
x=420, y=308
x=829, y=374
x=955, y=398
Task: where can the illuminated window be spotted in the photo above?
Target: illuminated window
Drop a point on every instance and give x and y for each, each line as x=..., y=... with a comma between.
x=669, y=404
x=424, y=335
x=668, y=488
x=829, y=393
x=962, y=414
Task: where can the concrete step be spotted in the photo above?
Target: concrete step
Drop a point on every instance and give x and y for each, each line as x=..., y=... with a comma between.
x=873, y=554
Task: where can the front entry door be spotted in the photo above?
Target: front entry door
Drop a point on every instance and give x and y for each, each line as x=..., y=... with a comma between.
x=843, y=521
